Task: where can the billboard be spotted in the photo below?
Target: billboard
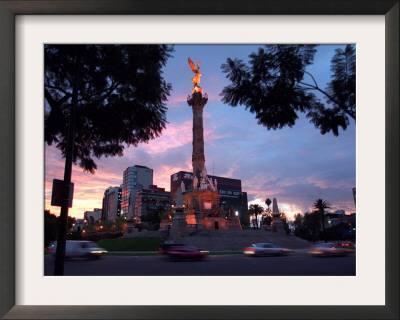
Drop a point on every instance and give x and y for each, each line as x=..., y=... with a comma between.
x=229, y=189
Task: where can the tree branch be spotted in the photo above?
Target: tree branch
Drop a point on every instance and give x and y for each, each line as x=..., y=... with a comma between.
x=55, y=104
x=315, y=82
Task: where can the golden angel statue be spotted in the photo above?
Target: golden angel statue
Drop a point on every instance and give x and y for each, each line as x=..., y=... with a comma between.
x=196, y=78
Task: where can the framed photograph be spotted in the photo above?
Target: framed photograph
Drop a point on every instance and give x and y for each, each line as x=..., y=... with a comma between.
x=373, y=26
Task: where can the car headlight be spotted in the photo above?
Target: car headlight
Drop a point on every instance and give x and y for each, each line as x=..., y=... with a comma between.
x=97, y=251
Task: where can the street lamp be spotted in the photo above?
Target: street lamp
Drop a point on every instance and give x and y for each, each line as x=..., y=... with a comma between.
x=236, y=213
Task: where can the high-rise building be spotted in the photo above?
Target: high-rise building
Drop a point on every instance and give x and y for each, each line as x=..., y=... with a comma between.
x=151, y=199
x=134, y=178
x=111, y=204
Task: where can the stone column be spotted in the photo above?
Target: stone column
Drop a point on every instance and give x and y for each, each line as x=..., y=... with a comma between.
x=197, y=101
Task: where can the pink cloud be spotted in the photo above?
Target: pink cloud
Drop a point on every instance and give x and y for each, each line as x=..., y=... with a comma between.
x=177, y=101
x=162, y=175
x=175, y=135
x=328, y=184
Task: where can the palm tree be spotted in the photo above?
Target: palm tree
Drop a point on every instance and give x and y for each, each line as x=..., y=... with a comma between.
x=268, y=202
x=320, y=205
x=256, y=210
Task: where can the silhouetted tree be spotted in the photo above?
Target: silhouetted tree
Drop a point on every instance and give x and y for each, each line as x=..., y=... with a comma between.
x=276, y=87
x=98, y=98
x=312, y=221
x=298, y=219
x=320, y=205
x=50, y=228
x=267, y=220
x=120, y=97
x=268, y=202
x=285, y=224
x=152, y=218
x=256, y=210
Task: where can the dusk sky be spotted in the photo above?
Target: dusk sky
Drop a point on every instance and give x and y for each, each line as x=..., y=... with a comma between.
x=295, y=165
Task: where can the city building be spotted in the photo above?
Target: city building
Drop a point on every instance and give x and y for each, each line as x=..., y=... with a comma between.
x=92, y=216
x=111, y=204
x=78, y=225
x=338, y=217
x=153, y=198
x=134, y=179
x=229, y=189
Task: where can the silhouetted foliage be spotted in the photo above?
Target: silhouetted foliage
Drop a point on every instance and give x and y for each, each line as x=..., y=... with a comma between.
x=320, y=205
x=50, y=228
x=308, y=226
x=151, y=219
x=268, y=202
x=285, y=225
x=303, y=232
x=51, y=225
x=256, y=210
x=245, y=219
x=276, y=87
x=267, y=221
x=121, y=97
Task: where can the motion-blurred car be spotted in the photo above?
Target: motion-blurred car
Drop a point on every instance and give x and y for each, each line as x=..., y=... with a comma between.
x=264, y=249
x=348, y=244
x=329, y=249
x=186, y=252
x=165, y=247
x=78, y=249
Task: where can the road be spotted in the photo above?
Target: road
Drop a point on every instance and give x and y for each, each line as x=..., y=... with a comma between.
x=296, y=264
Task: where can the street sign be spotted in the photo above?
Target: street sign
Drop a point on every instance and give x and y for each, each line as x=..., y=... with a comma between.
x=61, y=192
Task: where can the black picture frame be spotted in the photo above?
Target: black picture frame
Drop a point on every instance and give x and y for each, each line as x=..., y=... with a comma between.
x=8, y=11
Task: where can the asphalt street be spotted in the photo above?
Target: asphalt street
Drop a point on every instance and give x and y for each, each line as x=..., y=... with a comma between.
x=295, y=264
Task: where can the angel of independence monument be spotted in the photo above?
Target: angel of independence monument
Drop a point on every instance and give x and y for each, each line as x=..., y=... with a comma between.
x=201, y=200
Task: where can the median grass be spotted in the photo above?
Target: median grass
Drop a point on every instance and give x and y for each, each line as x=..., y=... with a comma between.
x=131, y=244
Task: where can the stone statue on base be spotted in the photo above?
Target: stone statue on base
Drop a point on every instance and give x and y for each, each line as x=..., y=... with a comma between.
x=195, y=182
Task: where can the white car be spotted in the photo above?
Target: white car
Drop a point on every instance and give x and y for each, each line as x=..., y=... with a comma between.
x=263, y=249
x=78, y=248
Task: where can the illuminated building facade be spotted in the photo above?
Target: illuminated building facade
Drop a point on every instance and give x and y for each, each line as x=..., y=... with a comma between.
x=134, y=179
x=151, y=199
x=111, y=204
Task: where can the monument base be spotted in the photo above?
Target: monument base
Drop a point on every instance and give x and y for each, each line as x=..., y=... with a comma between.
x=201, y=202
x=130, y=229
x=219, y=223
x=179, y=225
x=277, y=226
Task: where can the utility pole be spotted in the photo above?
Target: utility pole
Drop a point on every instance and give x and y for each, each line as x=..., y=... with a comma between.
x=62, y=232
